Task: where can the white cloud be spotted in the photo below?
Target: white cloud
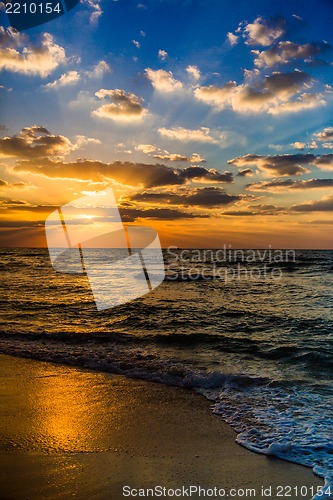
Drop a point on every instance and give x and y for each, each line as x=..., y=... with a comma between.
x=264, y=32
x=96, y=10
x=69, y=78
x=232, y=39
x=178, y=157
x=324, y=135
x=203, y=135
x=218, y=97
x=164, y=155
x=194, y=72
x=82, y=140
x=163, y=55
x=163, y=81
x=298, y=145
x=31, y=60
x=146, y=148
x=99, y=70
x=303, y=102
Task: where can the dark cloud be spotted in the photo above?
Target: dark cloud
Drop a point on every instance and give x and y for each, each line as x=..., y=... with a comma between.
x=276, y=165
x=324, y=205
x=203, y=197
x=21, y=224
x=211, y=175
x=255, y=210
x=275, y=94
x=34, y=142
x=280, y=185
x=131, y=214
x=19, y=205
x=245, y=172
x=324, y=162
x=240, y=213
x=284, y=52
x=132, y=174
x=12, y=185
x=10, y=37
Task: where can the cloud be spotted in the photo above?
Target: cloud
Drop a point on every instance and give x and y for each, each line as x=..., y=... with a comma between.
x=163, y=55
x=202, y=135
x=165, y=155
x=99, y=70
x=146, y=148
x=23, y=206
x=218, y=97
x=324, y=205
x=288, y=164
x=82, y=140
x=163, y=81
x=232, y=39
x=272, y=95
x=160, y=154
x=194, y=72
x=211, y=197
x=276, y=165
x=69, y=78
x=264, y=31
x=284, y=52
x=203, y=197
x=13, y=185
x=303, y=102
x=284, y=185
x=126, y=173
x=324, y=162
x=303, y=145
x=124, y=106
x=245, y=172
x=254, y=210
x=35, y=142
x=31, y=60
x=206, y=175
x=131, y=214
x=9, y=37
x=96, y=10
x=324, y=135
x=298, y=145
x=274, y=92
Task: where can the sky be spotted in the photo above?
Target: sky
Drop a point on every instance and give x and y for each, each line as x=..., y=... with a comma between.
x=209, y=119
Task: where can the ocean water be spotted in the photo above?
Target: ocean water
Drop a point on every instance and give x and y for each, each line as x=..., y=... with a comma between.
x=252, y=333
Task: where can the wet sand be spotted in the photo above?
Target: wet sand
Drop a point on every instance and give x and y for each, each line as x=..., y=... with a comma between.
x=70, y=433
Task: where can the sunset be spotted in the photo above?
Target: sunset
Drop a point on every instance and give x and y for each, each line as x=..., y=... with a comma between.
x=166, y=249
x=226, y=134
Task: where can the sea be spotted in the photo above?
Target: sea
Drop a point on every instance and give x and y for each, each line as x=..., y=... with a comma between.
x=251, y=330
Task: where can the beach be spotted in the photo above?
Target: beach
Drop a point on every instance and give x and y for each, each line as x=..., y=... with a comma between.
x=68, y=432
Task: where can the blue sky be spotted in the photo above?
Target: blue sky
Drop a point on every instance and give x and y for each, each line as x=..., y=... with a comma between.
x=193, y=83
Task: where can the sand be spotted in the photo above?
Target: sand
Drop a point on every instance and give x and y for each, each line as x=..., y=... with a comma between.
x=70, y=433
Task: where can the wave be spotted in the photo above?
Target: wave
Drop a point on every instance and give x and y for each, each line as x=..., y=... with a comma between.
x=288, y=419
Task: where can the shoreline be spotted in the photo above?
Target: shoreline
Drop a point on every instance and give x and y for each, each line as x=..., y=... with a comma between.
x=67, y=431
